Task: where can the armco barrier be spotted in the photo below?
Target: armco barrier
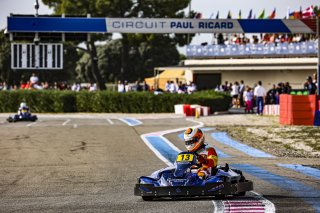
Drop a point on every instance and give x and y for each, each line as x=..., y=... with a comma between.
x=297, y=109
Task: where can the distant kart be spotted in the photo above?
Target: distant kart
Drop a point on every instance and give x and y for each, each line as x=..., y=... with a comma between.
x=180, y=181
x=24, y=117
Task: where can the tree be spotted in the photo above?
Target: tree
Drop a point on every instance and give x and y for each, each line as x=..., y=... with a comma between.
x=130, y=42
x=5, y=68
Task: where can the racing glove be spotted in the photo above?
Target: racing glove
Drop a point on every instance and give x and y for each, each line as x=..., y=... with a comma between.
x=202, y=175
x=194, y=169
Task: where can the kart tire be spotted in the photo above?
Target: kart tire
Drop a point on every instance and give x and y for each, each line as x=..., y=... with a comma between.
x=10, y=120
x=220, y=197
x=242, y=193
x=147, y=198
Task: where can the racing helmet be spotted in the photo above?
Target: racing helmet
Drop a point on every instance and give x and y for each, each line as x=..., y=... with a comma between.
x=23, y=104
x=193, y=138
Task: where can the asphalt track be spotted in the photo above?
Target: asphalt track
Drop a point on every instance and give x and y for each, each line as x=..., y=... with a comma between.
x=90, y=164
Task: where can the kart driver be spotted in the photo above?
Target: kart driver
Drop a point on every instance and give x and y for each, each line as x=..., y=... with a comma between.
x=206, y=156
x=23, y=109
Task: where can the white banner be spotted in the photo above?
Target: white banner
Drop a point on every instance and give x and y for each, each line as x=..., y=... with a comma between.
x=163, y=25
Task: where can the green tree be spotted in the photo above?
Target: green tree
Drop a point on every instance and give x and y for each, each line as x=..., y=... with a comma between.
x=146, y=46
x=5, y=68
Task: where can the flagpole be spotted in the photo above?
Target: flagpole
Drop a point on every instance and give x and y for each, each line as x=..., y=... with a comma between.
x=188, y=38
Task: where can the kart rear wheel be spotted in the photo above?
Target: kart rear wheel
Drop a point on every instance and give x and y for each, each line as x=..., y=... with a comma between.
x=147, y=198
x=221, y=197
x=242, y=193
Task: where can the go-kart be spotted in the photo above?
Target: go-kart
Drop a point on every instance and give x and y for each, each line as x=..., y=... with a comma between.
x=25, y=116
x=181, y=181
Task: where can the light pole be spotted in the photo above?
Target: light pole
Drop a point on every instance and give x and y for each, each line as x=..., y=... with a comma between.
x=36, y=6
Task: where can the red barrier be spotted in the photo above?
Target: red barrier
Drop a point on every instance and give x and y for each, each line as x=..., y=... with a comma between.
x=187, y=110
x=297, y=109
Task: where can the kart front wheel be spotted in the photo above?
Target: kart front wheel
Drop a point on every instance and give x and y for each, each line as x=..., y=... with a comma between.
x=147, y=198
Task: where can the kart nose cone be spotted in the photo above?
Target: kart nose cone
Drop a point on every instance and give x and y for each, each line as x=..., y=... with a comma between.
x=181, y=170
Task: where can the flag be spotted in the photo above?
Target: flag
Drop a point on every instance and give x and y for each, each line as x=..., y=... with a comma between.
x=198, y=16
x=239, y=16
x=307, y=13
x=229, y=15
x=261, y=16
x=212, y=14
x=288, y=13
x=250, y=14
x=273, y=14
x=295, y=15
x=217, y=16
x=300, y=12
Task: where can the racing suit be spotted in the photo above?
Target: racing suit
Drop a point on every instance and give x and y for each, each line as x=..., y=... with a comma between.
x=23, y=111
x=207, y=160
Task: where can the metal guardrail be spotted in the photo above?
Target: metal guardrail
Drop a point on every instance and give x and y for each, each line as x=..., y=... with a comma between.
x=252, y=49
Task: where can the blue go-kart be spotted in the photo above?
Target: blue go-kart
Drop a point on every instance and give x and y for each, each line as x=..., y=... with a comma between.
x=181, y=181
x=24, y=116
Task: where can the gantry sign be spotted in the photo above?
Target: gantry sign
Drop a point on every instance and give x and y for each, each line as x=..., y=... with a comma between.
x=40, y=24
x=158, y=25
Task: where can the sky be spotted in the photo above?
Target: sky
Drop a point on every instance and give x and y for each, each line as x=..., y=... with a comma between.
x=206, y=7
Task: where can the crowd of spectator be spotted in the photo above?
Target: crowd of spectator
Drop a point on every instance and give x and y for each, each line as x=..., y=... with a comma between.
x=256, y=96
x=266, y=38
x=170, y=87
x=34, y=84
x=180, y=88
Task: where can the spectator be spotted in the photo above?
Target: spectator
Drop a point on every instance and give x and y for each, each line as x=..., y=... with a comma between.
x=235, y=95
x=76, y=87
x=248, y=98
x=172, y=87
x=93, y=87
x=286, y=88
x=272, y=95
x=310, y=86
x=136, y=87
x=259, y=94
x=241, y=91
x=181, y=88
x=121, y=87
x=167, y=86
x=127, y=87
x=226, y=86
x=34, y=80
x=315, y=79
x=145, y=86
x=192, y=88
x=45, y=85
x=219, y=88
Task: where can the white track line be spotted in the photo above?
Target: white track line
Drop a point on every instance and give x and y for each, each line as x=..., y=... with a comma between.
x=65, y=123
x=110, y=121
x=31, y=124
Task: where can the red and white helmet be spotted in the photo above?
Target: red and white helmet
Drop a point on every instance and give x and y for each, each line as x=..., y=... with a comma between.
x=193, y=138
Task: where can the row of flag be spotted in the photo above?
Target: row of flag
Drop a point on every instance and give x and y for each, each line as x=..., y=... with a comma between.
x=307, y=13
